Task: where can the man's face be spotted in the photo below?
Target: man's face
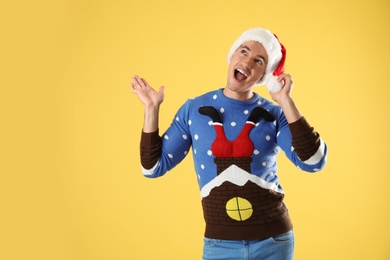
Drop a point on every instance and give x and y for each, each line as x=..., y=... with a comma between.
x=247, y=66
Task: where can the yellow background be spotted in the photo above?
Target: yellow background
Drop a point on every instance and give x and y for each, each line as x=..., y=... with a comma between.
x=71, y=185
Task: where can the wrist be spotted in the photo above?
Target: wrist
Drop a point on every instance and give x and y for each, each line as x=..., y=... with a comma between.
x=289, y=108
x=151, y=114
x=151, y=108
x=285, y=101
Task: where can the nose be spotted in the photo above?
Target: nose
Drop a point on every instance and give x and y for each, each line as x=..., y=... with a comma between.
x=247, y=66
x=248, y=62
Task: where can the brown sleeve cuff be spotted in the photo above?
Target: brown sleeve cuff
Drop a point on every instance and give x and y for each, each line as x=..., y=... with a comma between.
x=300, y=127
x=305, y=140
x=148, y=139
x=150, y=149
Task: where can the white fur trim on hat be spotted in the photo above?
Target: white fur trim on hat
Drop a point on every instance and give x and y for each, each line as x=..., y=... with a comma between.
x=272, y=47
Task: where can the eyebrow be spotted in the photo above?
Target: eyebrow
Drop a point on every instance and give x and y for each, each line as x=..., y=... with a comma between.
x=259, y=56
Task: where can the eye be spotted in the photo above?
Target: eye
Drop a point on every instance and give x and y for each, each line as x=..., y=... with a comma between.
x=259, y=61
x=243, y=51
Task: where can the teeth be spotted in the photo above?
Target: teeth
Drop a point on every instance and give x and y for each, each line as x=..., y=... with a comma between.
x=239, y=70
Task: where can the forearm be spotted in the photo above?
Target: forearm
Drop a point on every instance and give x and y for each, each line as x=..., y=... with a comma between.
x=305, y=140
x=151, y=116
x=290, y=110
x=150, y=149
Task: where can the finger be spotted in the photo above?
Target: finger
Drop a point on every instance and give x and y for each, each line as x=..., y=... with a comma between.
x=282, y=76
x=133, y=87
x=144, y=82
x=134, y=80
x=289, y=84
x=138, y=81
x=288, y=80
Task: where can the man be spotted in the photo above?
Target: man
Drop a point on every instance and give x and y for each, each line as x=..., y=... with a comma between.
x=236, y=136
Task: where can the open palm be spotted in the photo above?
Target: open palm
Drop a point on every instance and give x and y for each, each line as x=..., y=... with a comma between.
x=148, y=96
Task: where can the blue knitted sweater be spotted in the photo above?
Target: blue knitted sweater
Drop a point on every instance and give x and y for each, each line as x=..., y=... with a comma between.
x=235, y=146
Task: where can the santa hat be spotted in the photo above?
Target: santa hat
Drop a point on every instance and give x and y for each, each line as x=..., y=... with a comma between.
x=275, y=51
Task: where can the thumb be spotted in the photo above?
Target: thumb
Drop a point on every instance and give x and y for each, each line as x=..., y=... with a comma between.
x=161, y=89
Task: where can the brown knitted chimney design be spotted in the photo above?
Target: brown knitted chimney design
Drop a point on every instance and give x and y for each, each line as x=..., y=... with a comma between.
x=225, y=162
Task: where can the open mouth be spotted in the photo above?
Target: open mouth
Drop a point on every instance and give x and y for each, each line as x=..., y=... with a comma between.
x=240, y=75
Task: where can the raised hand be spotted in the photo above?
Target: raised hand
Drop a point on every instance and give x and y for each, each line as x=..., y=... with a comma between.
x=286, y=90
x=151, y=100
x=284, y=99
x=148, y=96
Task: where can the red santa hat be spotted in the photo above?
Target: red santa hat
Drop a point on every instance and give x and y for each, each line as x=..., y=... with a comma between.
x=275, y=51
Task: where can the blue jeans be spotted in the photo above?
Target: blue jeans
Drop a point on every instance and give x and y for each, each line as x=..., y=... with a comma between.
x=280, y=247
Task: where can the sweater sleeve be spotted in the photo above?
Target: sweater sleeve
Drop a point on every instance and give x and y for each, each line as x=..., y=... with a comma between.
x=301, y=144
x=150, y=149
x=305, y=140
x=161, y=154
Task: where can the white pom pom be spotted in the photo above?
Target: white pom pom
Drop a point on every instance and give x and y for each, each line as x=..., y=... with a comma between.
x=273, y=85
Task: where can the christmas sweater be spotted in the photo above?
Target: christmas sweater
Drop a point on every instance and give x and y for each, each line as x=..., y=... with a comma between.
x=235, y=146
